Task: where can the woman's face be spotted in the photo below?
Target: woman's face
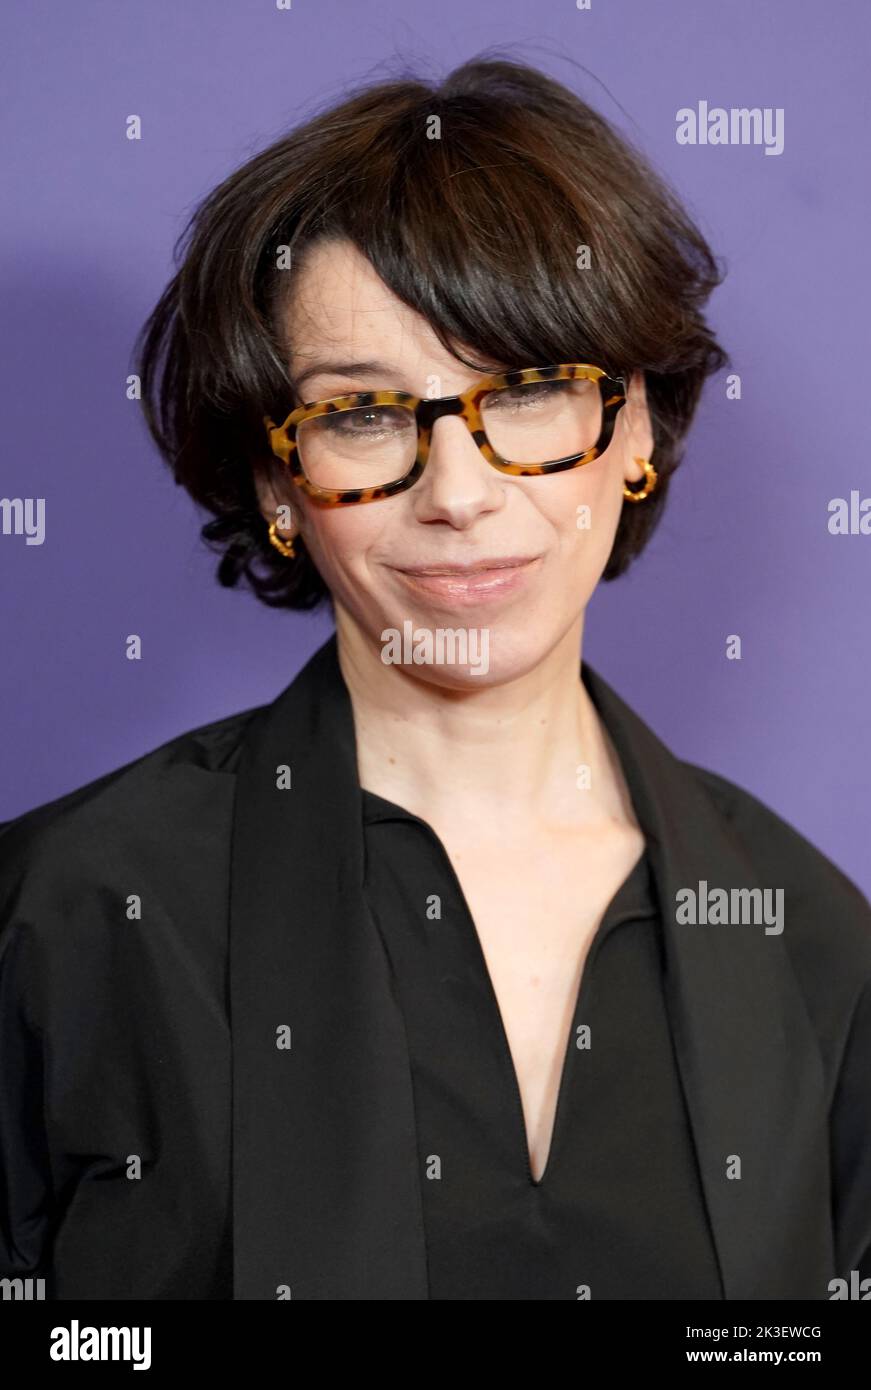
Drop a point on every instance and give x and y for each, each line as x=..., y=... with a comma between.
x=461, y=510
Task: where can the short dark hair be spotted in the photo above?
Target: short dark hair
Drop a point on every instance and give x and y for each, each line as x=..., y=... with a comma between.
x=488, y=258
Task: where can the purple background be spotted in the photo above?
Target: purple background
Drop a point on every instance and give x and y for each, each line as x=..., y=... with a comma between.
x=744, y=547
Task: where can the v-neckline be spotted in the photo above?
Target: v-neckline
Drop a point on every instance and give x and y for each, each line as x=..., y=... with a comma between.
x=603, y=929
x=606, y=924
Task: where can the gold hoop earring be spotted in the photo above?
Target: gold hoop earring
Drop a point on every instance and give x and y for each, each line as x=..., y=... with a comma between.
x=651, y=477
x=284, y=547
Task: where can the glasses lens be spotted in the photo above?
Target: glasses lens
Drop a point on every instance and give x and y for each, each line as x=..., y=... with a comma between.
x=366, y=446
x=542, y=421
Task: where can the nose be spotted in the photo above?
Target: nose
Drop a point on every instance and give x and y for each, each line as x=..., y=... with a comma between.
x=457, y=483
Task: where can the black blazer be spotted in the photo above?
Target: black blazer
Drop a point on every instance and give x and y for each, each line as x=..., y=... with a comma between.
x=160, y=926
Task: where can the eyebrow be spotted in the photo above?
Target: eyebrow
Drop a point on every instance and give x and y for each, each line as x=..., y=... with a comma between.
x=368, y=368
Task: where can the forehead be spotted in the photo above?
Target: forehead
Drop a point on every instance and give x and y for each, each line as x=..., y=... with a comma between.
x=339, y=308
x=338, y=297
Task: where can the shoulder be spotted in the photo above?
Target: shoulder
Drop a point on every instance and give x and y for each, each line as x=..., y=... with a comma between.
x=762, y=831
x=827, y=912
x=124, y=822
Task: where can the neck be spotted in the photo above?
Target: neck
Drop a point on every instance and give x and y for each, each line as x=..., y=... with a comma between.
x=515, y=750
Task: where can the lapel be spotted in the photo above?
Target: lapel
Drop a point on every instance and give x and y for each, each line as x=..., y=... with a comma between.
x=326, y=1191
x=748, y=1058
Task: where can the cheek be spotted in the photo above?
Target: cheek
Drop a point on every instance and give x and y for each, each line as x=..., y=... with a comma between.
x=339, y=539
x=584, y=509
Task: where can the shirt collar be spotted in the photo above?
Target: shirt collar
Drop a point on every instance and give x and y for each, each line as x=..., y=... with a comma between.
x=635, y=897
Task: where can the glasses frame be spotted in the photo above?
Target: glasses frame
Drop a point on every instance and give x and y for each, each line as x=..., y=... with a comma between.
x=427, y=410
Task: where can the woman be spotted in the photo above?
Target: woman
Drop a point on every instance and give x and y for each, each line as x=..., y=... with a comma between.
x=439, y=977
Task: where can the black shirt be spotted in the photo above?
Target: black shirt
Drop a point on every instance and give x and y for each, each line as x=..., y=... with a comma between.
x=206, y=1060
x=618, y=1211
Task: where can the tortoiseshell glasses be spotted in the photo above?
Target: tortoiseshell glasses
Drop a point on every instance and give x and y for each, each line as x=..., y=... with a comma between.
x=372, y=444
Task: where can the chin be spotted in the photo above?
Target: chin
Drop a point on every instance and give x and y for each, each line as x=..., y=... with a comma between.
x=458, y=653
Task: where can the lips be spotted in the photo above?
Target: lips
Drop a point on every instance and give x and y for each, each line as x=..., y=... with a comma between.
x=486, y=581
x=476, y=567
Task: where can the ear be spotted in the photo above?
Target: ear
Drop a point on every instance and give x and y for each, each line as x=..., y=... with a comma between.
x=637, y=429
x=273, y=501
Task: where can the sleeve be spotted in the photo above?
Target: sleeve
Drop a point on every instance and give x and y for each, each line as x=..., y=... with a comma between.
x=26, y=1189
x=851, y=1146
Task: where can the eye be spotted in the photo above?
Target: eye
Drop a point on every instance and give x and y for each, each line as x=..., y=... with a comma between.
x=366, y=422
